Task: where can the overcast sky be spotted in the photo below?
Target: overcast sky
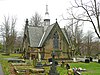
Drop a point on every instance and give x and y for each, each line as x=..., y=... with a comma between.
x=23, y=9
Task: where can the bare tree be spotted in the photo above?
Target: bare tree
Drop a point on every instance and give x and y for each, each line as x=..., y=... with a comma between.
x=13, y=34
x=8, y=33
x=88, y=40
x=75, y=35
x=36, y=20
x=96, y=47
x=90, y=12
x=5, y=33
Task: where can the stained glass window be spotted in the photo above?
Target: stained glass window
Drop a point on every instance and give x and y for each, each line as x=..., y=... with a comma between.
x=56, y=40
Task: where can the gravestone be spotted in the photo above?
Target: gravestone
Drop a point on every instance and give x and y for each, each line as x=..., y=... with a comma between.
x=53, y=70
x=98, y=60
x=67, y=66
x=63, y=64
x=74, y=59
x=91, y=59
x=87, y=60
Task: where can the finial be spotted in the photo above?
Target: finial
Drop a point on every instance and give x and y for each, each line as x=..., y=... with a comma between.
x=56, y=19
x=46, y=9
x=26, y=21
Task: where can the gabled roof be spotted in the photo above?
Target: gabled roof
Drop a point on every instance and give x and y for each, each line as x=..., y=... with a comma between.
x=38, y=35
x=35, y=35
x=65, y=35
x=46, y=33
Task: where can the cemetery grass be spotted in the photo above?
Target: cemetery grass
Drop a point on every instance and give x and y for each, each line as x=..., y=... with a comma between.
x=5, y=64
x=92, y=68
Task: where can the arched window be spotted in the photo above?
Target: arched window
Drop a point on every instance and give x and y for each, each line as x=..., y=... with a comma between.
x=56, y=40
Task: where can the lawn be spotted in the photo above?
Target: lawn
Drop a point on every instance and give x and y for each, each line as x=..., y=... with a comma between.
x=92, y=68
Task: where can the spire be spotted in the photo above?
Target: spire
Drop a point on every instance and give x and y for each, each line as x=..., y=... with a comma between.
x=46, y=10
x=46, y=19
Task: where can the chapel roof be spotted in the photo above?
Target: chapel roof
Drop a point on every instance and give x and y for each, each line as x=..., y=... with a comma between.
x=35, y=35
x=46, y=33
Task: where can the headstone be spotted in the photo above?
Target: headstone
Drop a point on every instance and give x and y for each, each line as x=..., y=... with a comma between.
x=98, y=60
x=91, y=59
x=87, y=60
x=74, y=59
x=67, y=66
x=53, y=70
x=63, y=64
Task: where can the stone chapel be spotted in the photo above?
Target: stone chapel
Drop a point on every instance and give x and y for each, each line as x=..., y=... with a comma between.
x=45, y=39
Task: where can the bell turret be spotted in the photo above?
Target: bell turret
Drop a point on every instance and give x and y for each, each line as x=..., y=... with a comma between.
x=47, y=18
